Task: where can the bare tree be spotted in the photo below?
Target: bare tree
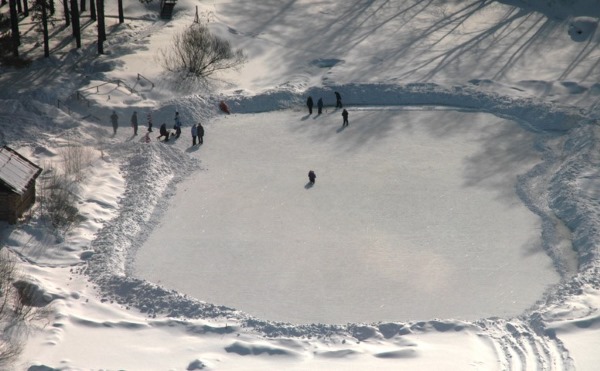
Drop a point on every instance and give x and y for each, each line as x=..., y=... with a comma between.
x=66, y=11
x=14, y=23
x=197, y=52
x=93, y=10
x=43, y=11
x=45, y=28
x=10, y=350
x=101, y=26
x=75, y=22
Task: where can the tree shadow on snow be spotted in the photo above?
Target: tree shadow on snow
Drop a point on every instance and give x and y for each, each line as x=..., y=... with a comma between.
x=493, y=166
x=421, y=51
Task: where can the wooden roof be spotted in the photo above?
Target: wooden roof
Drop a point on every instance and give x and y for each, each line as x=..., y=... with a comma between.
x=16, y=171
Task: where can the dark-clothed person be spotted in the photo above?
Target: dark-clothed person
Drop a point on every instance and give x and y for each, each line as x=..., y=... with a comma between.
x=309, y=104
x=345, y=116
x=200, y=133
x=163, y=132
x=194, y=134
x=134, y=122
x=115, y=122
x=338, y=100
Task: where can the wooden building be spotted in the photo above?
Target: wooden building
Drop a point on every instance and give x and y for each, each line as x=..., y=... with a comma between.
x=17, y=184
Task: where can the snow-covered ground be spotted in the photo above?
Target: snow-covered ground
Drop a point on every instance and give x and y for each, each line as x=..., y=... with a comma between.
x=453, y=225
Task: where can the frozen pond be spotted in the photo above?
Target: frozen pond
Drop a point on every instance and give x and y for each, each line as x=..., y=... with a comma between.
x=414, y=215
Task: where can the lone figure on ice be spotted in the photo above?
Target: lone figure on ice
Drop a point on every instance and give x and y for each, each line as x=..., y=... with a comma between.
x=134, y=123
x=309, y=103
x=345, y=116
x=312, y=177
x=115, y=122
x=150, y=121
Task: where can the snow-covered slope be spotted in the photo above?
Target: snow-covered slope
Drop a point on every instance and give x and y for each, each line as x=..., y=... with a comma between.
x=534, y=63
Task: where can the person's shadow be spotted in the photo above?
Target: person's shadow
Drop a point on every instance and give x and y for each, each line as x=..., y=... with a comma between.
x=309, y=185
x=192, y=149
x=305, y=117
x=339, y=130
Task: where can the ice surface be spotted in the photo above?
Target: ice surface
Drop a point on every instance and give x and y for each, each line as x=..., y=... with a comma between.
x=397, y=226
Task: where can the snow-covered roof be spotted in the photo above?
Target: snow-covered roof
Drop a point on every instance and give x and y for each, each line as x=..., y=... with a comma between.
x=16, y=171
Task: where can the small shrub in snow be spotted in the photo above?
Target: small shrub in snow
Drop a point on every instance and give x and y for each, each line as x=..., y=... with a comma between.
x=75, y=159
x=57, y=199
x=58, y=189
x=199, y=53
x=14, y=312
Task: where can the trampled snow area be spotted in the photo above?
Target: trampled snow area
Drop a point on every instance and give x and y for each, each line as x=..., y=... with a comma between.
x=453, y=224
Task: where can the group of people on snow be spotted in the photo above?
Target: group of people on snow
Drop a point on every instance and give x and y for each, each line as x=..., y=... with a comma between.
x=309, y=103
x=197, y=132
x=197, y=129
x=312, y=176
x=338, y=104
